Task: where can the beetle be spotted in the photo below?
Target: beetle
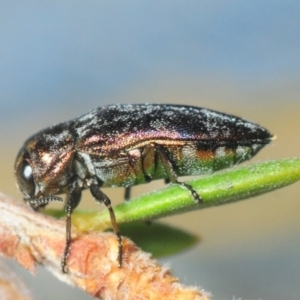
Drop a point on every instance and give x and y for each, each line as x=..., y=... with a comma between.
x=126, y=145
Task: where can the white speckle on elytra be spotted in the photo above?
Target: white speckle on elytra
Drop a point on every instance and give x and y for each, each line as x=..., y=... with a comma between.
x=220, y=152
x=241, y=151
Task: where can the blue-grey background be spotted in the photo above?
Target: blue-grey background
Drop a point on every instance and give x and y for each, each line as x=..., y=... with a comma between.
x=59, y=59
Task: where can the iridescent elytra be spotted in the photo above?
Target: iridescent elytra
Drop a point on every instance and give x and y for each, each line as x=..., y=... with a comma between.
x=125, y=145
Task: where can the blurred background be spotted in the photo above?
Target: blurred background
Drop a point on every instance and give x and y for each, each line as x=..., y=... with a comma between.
x=59, y=59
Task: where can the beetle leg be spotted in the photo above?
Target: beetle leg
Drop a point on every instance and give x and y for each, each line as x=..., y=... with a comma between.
x=148, y=161
x=127, y=193
x=167, y=180
x=102, y=198
x=172, y=176
x=74, y=196
x=38, y=203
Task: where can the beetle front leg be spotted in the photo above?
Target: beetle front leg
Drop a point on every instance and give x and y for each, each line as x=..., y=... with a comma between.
x=172, y=176
x=37, y=203
x=102, y=198
x=74, y=196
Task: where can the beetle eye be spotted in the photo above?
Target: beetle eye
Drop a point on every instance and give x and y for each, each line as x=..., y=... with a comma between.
x=25, y=179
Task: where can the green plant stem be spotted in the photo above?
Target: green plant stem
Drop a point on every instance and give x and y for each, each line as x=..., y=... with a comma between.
x=219, y=188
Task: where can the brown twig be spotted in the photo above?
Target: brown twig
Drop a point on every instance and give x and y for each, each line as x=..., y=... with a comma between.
x=31, y=238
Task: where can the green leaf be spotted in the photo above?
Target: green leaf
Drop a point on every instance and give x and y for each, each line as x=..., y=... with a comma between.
x=219, y=188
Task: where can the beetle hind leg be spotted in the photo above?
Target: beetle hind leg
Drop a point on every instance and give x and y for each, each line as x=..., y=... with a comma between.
x=194, y=194
x=172, y=176
x=127, y=193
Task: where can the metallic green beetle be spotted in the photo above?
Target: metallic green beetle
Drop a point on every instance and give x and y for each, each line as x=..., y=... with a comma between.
x=125, y=145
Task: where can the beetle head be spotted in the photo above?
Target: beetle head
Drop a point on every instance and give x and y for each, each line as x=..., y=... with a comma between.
x=43, y=165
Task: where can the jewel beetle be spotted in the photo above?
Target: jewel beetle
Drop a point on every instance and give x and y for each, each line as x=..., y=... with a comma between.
x=126, y=145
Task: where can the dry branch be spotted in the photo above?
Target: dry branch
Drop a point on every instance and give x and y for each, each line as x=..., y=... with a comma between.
x=31, y=238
